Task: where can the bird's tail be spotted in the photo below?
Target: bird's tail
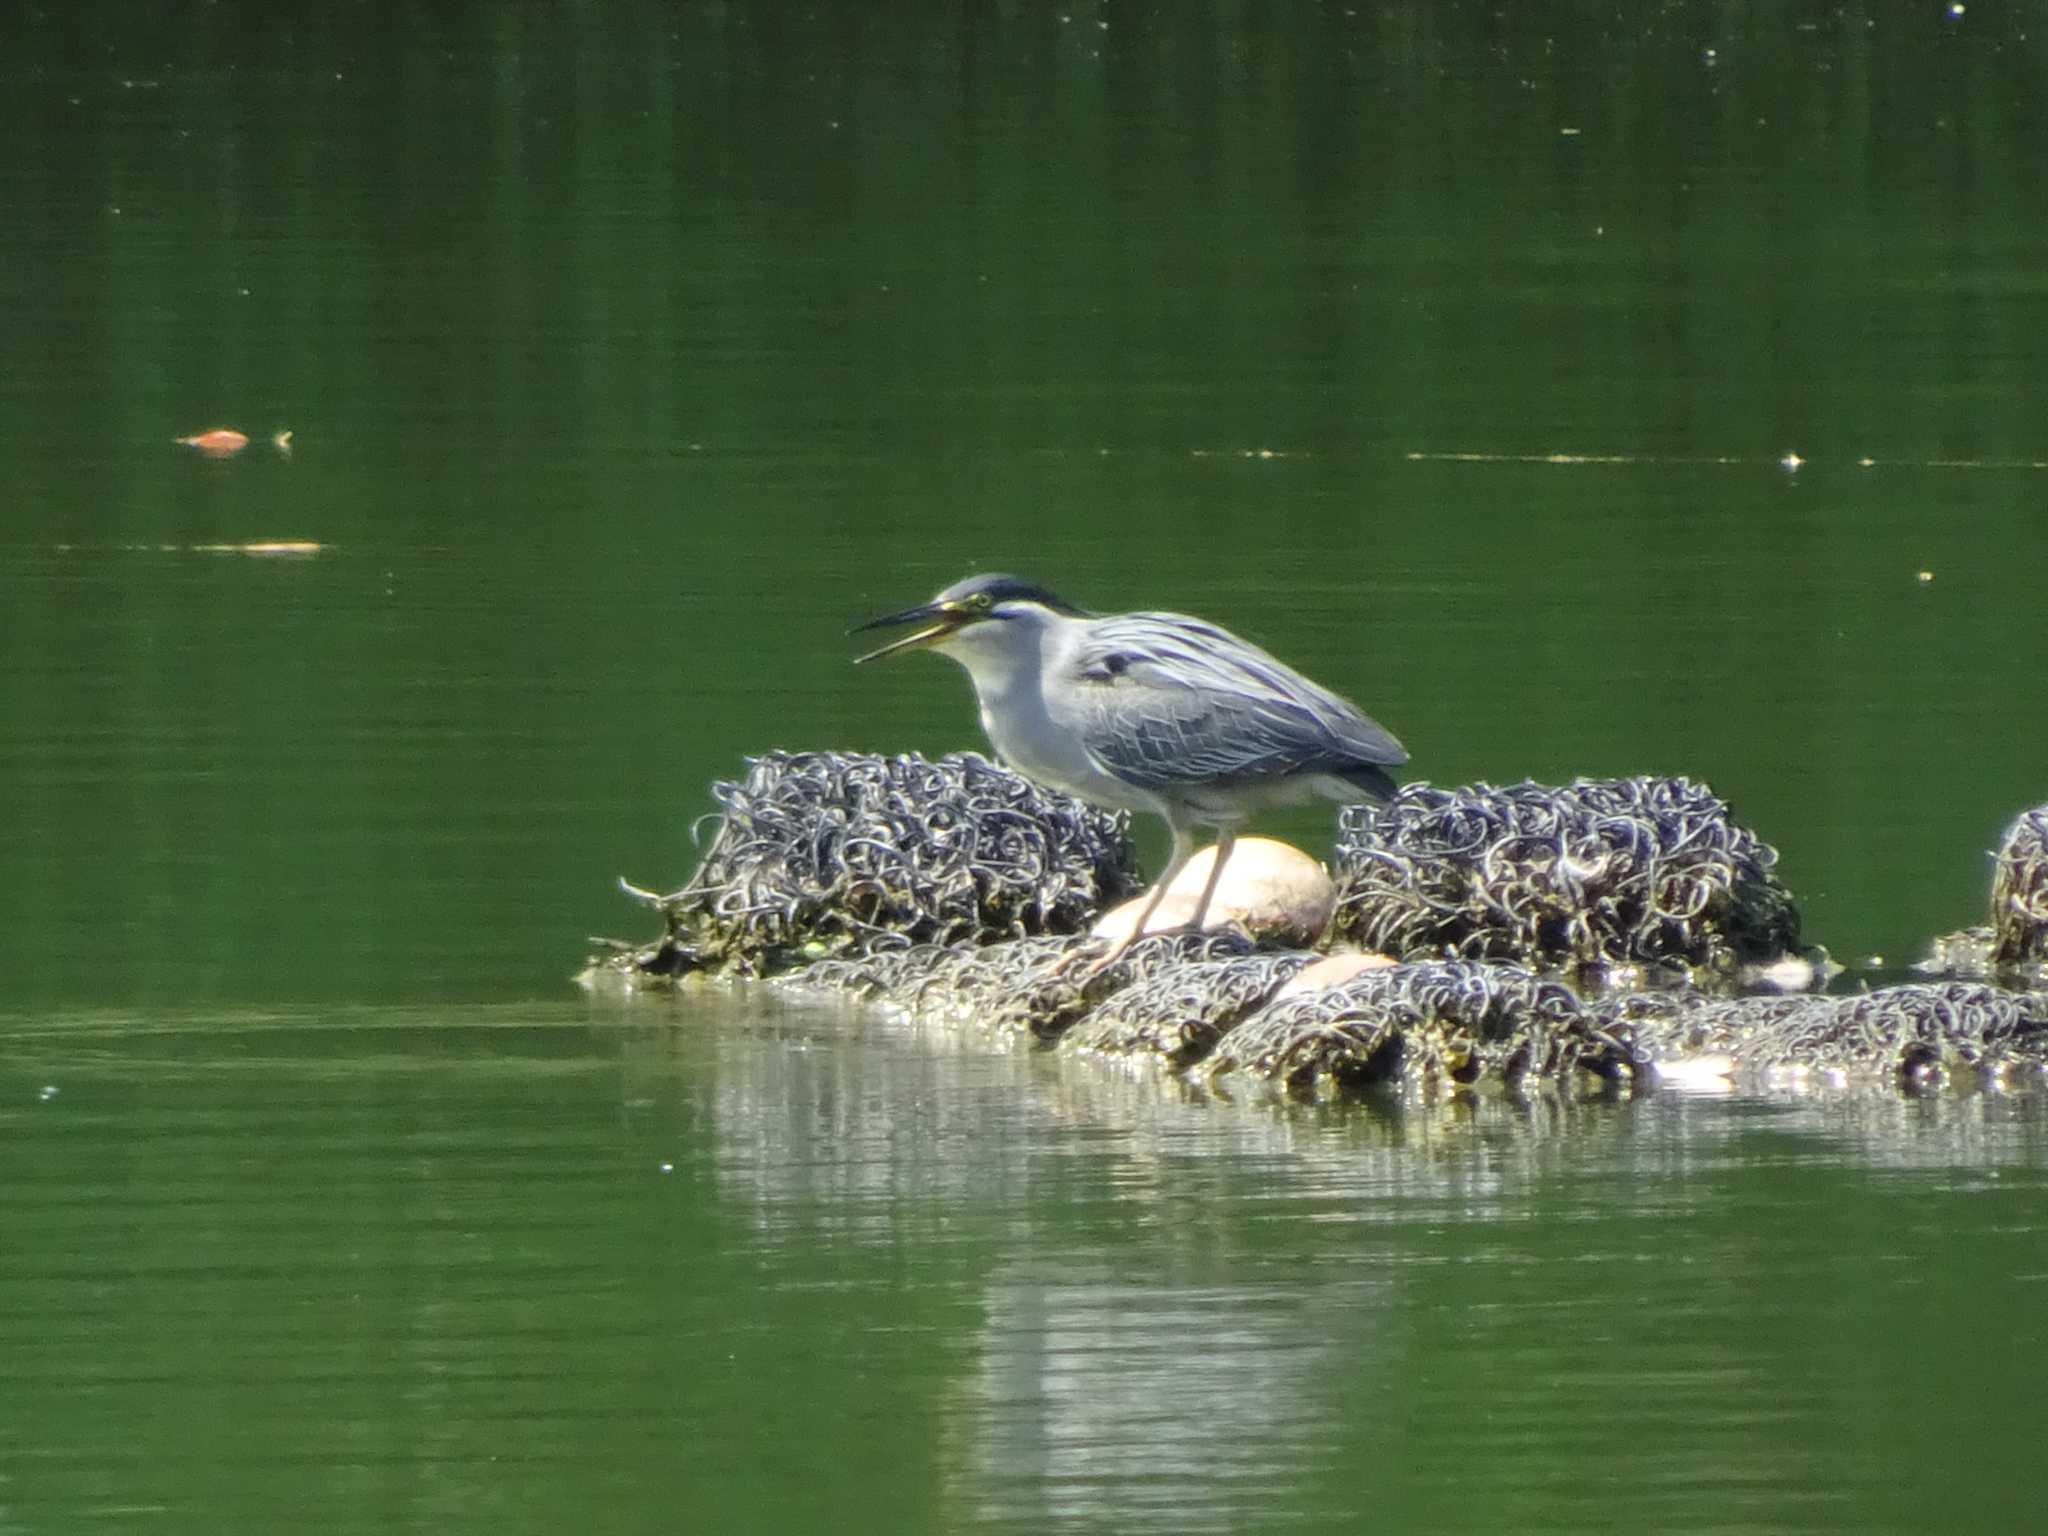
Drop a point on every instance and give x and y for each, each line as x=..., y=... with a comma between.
x=1371, y=781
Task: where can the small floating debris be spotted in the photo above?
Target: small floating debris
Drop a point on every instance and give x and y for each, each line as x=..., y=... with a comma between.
x=282, y=442
x=217, y=443
x=274, y=549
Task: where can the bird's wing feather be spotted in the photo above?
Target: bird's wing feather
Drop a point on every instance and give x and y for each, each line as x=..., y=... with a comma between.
x=1166, y=702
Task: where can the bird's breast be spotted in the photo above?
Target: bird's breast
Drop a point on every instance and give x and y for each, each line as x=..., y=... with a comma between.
x=1028, y=740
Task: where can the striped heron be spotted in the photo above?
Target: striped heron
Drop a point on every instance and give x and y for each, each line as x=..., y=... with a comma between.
x=1153, y=712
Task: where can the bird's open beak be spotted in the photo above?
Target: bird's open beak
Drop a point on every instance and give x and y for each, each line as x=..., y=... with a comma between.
x=938, y=620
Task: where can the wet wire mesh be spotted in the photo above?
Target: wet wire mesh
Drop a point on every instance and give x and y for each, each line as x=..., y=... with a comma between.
x=2019, y=892
x=1916, y=1034
x=1970, y=953
x=1179, y=1014
x=877, y=973
x=2013, y=946
x=1436, y=1023
x=968, y=986
x=831, y=853
x=1042, y=987
x=1597, y=872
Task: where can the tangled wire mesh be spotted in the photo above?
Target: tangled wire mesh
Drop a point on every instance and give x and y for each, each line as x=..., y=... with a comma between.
x=1027, y=988
x=833, y=853
x=1435, y=1023
x=2013, y=946
x=2019, y=892
x=1179, y=1014
x=879, y=973
x=1916, y=1034
x=1593, y=873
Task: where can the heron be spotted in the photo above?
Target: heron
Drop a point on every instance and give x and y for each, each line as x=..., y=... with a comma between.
x=1147, y=712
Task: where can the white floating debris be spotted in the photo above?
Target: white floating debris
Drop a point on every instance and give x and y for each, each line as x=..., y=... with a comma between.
x=1699, y=1074
x=273, y=548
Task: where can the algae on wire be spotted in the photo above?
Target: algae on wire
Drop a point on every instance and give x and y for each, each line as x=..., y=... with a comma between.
x=1442, y=1024
x=2019, y=892
x=1917, y=1035
x=2013, y=945
x=1179, y=1013
x=1595, y=873
x=834, y=853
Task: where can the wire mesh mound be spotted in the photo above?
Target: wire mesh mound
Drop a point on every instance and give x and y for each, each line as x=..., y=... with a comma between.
x=1016, y=989
x=877, y=973
x=1916, y=1035
x=2019, y=892
x=838, y=854
x=1443, y=1023
x=1595, y=873
x=2013, y=946
x=1179, y=1014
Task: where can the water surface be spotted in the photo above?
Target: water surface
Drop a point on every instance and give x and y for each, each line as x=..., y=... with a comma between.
x=1583, y=394
x=758, y=1263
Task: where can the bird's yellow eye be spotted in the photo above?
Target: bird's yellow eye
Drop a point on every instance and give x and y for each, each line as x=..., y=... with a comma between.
x=981, y=601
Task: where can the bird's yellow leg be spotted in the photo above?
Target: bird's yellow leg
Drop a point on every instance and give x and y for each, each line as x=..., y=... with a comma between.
x=1183, y=850
x=1226, y=838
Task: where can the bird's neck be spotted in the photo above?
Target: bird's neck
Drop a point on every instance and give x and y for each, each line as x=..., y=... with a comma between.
x=1007, y=686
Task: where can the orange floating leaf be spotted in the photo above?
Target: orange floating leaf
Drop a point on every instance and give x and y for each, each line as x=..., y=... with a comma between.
x=218, y=443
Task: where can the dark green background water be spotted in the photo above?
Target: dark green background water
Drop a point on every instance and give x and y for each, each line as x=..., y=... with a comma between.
x=631, y=351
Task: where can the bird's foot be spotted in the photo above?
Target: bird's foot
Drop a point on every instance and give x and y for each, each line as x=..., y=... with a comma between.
x=1078, y=953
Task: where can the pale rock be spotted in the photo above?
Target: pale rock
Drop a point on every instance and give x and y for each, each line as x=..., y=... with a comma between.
x=1272, y=889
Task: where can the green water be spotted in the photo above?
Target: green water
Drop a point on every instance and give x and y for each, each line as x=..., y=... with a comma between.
x=1582, y=391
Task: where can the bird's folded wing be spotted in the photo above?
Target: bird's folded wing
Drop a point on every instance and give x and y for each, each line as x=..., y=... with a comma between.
x=1162, y=702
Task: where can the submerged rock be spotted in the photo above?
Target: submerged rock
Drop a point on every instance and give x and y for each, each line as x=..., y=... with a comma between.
x=1333, y=970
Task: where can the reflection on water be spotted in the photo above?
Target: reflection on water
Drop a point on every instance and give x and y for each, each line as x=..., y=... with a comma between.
x=1180, y=1309
x=1160, y=1406
x=445, y=1267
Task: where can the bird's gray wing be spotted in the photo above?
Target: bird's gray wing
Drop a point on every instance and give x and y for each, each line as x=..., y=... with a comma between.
x=1165, y=702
